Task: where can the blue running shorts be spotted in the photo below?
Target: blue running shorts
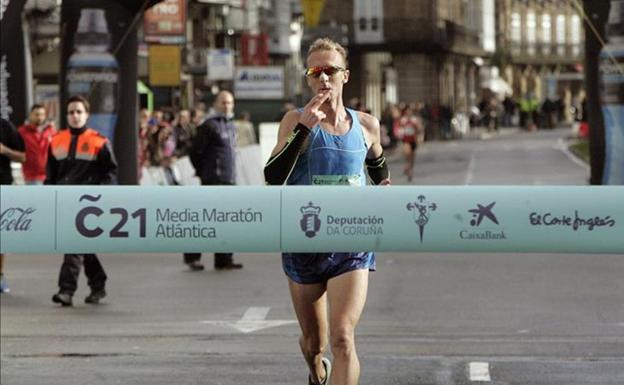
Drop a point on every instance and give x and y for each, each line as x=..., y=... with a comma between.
x=305, y=268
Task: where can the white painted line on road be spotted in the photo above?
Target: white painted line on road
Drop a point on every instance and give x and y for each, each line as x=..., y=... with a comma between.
x=564, y=148
x=256, y=314
x=253, y=320
x=479, y=371
x=471, y=167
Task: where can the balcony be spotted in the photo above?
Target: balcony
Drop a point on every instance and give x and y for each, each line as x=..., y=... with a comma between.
x=544, y=53
x=462, y=39
x=425, y=34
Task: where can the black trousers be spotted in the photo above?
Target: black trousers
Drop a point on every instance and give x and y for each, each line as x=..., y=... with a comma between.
x=70, y=270
x=221, y=259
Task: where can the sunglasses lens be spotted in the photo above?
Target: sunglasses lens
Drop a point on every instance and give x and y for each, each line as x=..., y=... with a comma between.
x=317, y=71
x=329, y=71
x=314, y=71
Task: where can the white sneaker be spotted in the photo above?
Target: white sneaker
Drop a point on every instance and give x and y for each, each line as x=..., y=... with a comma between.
x=327, y=364
x=4, y=287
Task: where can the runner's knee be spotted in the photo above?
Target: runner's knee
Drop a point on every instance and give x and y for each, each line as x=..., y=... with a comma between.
x=342, y=341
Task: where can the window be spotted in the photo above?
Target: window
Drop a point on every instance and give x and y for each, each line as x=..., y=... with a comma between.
x=516, y=27
x=575, y=35
x=546, y=29
x=531, y=27
x=561, y=29
x=560, y=35
x=575, y=30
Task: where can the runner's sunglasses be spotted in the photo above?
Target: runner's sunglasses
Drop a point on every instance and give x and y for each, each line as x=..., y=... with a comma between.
x=327, y=70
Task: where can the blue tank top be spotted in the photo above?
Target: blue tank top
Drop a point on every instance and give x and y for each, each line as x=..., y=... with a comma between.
x=332, y=159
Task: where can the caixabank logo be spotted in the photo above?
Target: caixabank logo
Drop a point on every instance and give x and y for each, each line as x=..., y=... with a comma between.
x=310, y=222
x=484, y=224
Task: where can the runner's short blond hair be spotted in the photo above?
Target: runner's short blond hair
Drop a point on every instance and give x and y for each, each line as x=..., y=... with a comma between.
x=327, y=44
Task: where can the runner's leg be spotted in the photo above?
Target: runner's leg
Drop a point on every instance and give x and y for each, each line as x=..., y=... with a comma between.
x=406, y=155
x=346, y=295
x=310, y=303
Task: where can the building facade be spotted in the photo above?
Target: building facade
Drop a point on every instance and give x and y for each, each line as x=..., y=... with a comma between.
x=541, y=50
x=411, y=50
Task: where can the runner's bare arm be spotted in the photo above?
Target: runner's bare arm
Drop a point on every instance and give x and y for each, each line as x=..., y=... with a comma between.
x=375, y=159
x=292, y=138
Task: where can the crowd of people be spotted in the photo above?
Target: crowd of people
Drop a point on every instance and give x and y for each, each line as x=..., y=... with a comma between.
x=165, y=137
x=527, y=112
x=440, y=122
x=79, y=155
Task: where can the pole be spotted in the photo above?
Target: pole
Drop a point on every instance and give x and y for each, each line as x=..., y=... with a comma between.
x=597, y=14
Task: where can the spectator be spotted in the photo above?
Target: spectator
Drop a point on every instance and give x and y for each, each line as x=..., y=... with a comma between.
x=197, y=117
x=509, y=107
x=183, y=132
x=11, y=150
x=144, y=134
x=158, y=134
x=37, y=135
x=245, y=132
x=446, y=116
x=286, y=107
x=213, y=157
x=388, y=117
x=80, y=156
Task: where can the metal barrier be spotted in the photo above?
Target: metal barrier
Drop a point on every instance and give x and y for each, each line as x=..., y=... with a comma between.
x=551, y=219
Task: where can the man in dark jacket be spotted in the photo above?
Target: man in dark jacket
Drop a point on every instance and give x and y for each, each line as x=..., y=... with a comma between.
x=213, y=156
x=80, y=156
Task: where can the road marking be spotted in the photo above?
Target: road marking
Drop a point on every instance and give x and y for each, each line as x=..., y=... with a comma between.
x=253, y=320
x=479, y=371
x=255, y=314
x=471, y=167
x=564, y=148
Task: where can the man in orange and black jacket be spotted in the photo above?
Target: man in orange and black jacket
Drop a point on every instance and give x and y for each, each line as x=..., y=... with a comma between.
x=80, y=156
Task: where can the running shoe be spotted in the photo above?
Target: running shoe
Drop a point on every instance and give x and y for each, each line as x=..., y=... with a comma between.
x=327, y=364
x=4, y=286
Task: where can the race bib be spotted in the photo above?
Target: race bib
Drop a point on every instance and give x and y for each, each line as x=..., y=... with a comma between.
x=336, y=180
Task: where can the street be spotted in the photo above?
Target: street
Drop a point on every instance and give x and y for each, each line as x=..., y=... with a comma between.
x=430, y=319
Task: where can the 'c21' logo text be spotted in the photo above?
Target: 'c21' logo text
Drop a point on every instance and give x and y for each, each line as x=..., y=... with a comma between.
x=117, y=231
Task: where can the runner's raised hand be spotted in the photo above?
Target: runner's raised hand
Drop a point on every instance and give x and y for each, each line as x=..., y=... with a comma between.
x=311, y=115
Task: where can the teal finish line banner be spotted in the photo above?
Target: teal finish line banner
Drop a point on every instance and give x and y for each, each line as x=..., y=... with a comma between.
x=116, y=219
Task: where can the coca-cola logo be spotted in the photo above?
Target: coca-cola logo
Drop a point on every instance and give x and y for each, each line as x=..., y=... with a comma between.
x=16, y=219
